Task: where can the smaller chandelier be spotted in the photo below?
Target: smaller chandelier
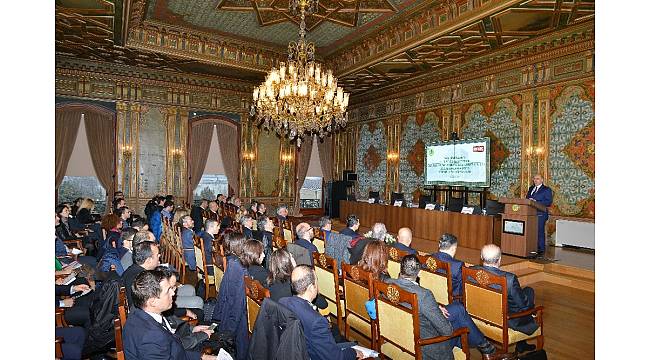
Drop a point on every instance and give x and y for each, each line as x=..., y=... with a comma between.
x=300, y=97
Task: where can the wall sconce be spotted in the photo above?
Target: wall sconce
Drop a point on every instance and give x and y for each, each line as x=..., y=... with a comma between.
x=249, y=156
x=177, y=153
x=286, y=157
x=393, y=157
x=127, y=150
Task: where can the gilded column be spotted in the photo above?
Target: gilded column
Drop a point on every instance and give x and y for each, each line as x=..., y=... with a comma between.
x=528, y=147
x=392, y=129
x=544, y=127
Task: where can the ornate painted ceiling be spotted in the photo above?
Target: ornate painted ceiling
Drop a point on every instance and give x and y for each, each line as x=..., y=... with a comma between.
x=372, y=45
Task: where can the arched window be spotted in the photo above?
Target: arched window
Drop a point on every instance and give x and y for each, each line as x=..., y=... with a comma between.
x=311, y=192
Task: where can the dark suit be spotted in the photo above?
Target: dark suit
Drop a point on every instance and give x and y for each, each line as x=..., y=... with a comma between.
x=230, y=309
x=266, y=238
x=402, y=247
x=145, y=338
x=308, y=246
x=258, y=273
x=320, y=342
x=356, y=251
x=197, y=215
x=207, y=246
x=349, y=232
x=544, y=195
x=128, y=277
x=518, y=300
x=248, y=233
x=456, y=271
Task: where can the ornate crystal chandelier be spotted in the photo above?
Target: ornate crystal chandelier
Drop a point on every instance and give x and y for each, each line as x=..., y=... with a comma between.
x=300, y=97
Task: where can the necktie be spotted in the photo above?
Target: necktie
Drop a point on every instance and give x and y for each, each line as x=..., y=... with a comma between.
x=534, y=191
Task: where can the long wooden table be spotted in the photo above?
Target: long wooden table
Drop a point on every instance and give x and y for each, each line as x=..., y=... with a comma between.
x=472, y=231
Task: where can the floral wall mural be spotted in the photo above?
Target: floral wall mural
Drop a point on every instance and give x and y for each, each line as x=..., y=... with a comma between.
x=572, y=151
x=500, y=123
x=371, y=159
x=418, y=132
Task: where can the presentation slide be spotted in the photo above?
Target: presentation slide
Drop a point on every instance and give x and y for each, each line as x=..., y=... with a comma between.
x=458, y=163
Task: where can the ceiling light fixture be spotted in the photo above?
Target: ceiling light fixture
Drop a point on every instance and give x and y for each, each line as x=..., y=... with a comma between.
x=301, y=96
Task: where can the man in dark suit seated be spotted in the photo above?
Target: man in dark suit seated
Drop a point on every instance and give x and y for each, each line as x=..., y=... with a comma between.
x=281, y=213
x=247, y=226
x=265, y=235
x=437, y=320
x=543, y=195
x=197, y=214
x=207, y=236
x=147, y=334
x=404, y=239
x=146, y=256
x=352, y=225
x=447, y=245
x=518, y=299
x=320, y=342
x=304, y=236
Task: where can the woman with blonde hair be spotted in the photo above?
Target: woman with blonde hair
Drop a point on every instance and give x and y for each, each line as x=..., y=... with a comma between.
x=85, y=208
x=179, y=215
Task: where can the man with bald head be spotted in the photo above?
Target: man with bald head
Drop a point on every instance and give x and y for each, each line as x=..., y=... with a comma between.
x=518, y=299
x=404, y=239
x=320, y=342
x=544, y=195
x=304, y=236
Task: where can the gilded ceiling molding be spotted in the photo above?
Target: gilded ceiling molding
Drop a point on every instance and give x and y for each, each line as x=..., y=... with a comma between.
x=528, y=76
x=208, y=48
x=569, y=43
x=423, y=26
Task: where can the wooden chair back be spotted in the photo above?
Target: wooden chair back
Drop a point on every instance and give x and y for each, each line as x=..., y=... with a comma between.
x=394, y=258
x=58, y=351
x=319, y=240
x=287, y=231
x=119, y=345
x=485, y=296
x=327, y=274
x=394, y=306
x=122, y=306
x=436, y=276
x=255, y=294
x=358, y=289
x=202, y=272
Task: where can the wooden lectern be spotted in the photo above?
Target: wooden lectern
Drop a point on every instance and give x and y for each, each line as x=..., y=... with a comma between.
x=519, y=227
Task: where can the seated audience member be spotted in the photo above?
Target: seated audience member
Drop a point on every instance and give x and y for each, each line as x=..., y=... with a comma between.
x=447, y=245
x=304, y=236
x=74, y=338
x=207, y=236
x=247, y=226
x=252, y=210
x=118, y=203
x=155, y=222
x=65, y=254
x=358, y=243
x=230, y=310
x=518, y=299
x=127, y=243
x=147, y=334
x=281, y=264
x=319, y=338
x=437, y=320
x=281, y=213
x=167, y=210
x=261, y=209
x=404, y=239
x=375, y=259
x=352, y=225
x=197, y=214
x=77, y=311
x=186, y=302
x=66, y=231
x=146, y=256
x=179, y=214
x=237, y=202
x=221, y=198
x=140, y=225
x=252, y=260
x=213, y=210
x=84, y=213
x=154, y=204
x=75, y=206
x=325, y=223
x=124, y=213
x=265, y=235
x=113, y=227
x=187, y=235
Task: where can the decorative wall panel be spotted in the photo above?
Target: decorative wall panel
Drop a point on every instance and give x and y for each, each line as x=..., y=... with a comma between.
x=152, y=152
x=418, y=132
x=268, y=164
x=500, y=123
x=371, y=159
x=572, y=151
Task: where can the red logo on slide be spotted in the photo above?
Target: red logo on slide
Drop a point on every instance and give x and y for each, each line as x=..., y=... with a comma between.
x=478, y=148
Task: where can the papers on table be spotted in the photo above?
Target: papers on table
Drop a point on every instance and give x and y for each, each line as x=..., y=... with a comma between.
x=371, y=201
x=223, y=355
x=365, y=351
x=76, y=251
x=467, y=210
x=69, y=279
x=74, y=265
x=398, y=203
x=430, y=207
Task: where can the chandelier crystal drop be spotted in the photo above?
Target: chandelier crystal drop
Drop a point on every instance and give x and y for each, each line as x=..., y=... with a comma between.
x=301, y=96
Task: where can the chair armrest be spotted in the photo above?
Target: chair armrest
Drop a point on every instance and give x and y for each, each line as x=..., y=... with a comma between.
x=536, y=310
x=59, y=316
x=462, y=332
x=58, y=350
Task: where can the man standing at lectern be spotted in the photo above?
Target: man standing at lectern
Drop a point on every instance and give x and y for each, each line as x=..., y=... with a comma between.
x=544, y=195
